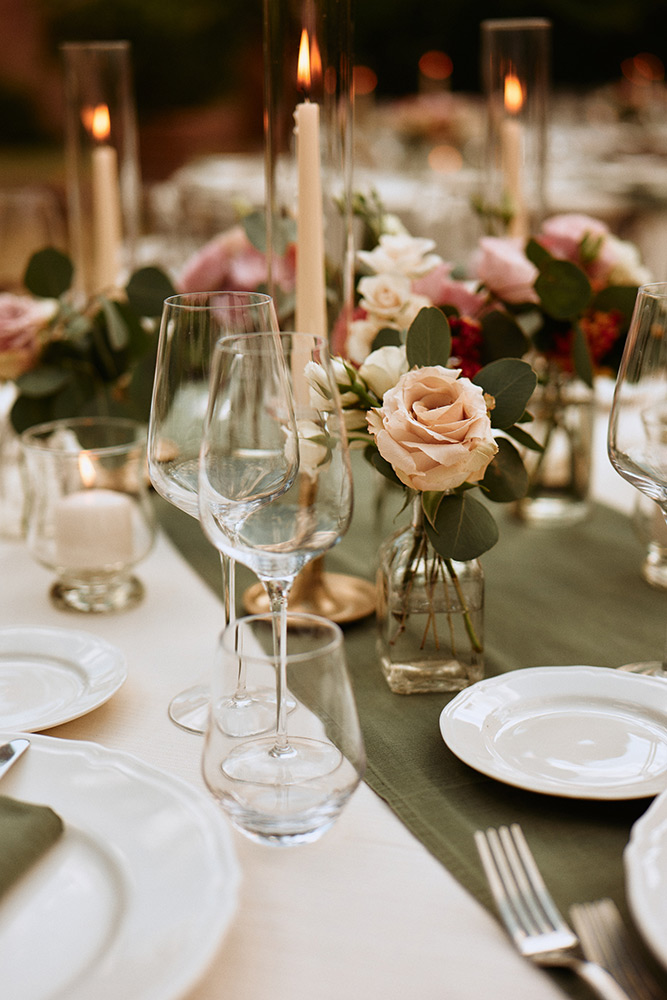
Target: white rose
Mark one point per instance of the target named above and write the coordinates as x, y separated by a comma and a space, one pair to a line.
401, 254
320, 386
383, 368
625, 263
313, 450
385, 295
434, 429
361, 335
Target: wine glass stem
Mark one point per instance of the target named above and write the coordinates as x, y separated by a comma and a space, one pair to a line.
278, 591
228, 567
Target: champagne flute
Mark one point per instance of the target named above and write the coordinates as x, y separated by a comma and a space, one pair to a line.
248, 416
637, 439
190, 326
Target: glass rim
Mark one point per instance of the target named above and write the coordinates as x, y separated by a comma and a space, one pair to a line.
656, 289
179, 300
29, 437
256, 338
335, 640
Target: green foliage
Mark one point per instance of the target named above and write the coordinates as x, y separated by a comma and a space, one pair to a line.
463, 527
429, 340
511, 383
96, 358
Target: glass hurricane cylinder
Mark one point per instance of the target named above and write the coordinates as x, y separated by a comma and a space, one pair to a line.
103, 181
430, 614
563, 411
515, 70
308, 159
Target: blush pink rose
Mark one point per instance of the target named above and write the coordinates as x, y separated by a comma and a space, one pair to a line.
231, 261
443, 290
562, 235
503, 267
21, 321
434, 429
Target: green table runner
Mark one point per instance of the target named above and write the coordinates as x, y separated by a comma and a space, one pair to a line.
553, 597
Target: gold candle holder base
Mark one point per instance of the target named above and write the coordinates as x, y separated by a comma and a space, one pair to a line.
337, 596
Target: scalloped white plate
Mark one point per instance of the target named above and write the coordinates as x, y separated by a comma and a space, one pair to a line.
581, 732
135, 897
53, 675
645, 860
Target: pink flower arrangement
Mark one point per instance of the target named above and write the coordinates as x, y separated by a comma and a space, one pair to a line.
23, 320
231, 260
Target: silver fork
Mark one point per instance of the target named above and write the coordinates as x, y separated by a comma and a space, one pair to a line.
529, 913
606, 941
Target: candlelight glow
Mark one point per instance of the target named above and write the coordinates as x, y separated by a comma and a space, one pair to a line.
97, 121
644, 68
513, 93
436, 65
86, 470
309, 65
364, 80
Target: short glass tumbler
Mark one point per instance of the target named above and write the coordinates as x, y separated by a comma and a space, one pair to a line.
288, 784
89, 517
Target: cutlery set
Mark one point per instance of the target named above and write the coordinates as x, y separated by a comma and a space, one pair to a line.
601, 952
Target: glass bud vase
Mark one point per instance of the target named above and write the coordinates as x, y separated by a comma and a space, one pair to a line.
563, 410
429, 614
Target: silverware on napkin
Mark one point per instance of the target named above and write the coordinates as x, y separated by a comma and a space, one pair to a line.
606, 940
10, 753
529, 913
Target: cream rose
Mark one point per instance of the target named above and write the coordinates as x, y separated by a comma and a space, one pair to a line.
382, 369
434, 429
410, 256
385, 295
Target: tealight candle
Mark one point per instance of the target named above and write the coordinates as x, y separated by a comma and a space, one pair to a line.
93, 530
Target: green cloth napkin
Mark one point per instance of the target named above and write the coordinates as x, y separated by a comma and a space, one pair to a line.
26, 833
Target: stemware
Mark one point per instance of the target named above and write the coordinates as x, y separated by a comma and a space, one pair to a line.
247, 435
270, 797
190, 326
637, 438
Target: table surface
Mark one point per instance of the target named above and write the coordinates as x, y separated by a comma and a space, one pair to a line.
366, 911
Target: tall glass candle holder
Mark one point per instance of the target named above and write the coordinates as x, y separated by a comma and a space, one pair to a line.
308, 159
516, 75
103, 180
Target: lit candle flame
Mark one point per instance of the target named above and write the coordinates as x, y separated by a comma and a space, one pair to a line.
309, 65
514, 96
97, 121
86, 470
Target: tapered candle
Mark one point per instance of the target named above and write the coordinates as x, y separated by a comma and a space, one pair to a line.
310, 314
107, 232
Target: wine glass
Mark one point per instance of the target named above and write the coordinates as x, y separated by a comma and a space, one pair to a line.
269, 797
190, 326
637, 440
248, 432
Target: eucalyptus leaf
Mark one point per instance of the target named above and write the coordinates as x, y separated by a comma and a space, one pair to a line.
581, 355
502, 337
537, 254
373, 456
523, 438
464, 528
117, 331
429, 339
283, 232
387, 337
564, 289
43, 381
49, 273
620, 297
505, 478
431, 500
511, 382
147, 289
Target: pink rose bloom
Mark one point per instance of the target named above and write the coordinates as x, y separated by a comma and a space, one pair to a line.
21, 321
562, 235
443, 290
503, 267
231, 261
434, 429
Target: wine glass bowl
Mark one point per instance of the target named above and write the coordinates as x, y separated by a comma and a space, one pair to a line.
190, 326
637, 437
293, 795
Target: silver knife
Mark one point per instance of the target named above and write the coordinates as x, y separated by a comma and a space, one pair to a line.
10, 753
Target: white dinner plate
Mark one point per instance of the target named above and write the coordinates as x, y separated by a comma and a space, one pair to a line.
645, 859
52, 675
582, 732
134, 898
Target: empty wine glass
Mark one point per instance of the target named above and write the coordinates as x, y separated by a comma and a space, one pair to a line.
637, 440
272, 798
191, 324
247, 433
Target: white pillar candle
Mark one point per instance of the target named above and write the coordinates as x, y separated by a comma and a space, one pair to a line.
93, 530
512, 153
106, 210
310, 284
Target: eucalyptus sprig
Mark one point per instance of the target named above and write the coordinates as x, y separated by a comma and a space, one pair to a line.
96, 356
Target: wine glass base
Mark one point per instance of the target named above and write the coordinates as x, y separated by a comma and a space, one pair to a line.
189, 709
248, 715
650, 668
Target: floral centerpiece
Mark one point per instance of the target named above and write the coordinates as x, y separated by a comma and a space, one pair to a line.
563, 300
